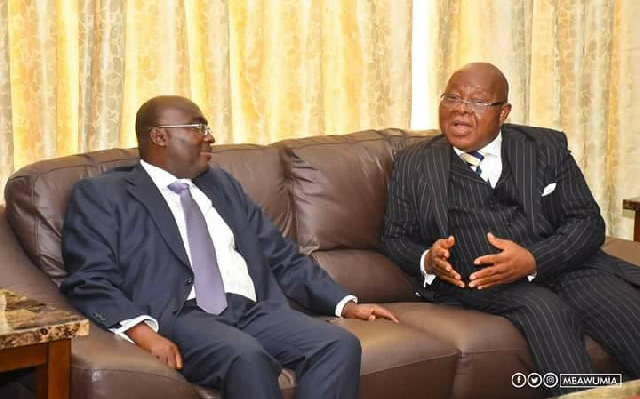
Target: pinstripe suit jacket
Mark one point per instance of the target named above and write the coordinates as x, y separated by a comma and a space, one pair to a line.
567, 220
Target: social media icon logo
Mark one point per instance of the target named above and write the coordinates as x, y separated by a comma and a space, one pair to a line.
518, 380
550, 380
534, 380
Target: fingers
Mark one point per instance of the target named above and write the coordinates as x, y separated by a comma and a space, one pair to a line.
178, 358
490, 277
501, 244
170, 356
486, 282
446, 272
372, 312
449, 242
169, 359
453, 281
440, 265
495, 241
384, 313
487, 259
440, 248
173, 357
168, 353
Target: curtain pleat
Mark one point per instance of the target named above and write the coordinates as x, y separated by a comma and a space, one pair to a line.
74, 72
572, 65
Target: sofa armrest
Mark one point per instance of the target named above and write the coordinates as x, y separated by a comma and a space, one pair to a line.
624, 249
103, 366
20, 275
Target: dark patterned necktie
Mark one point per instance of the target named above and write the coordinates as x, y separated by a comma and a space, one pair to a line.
209, 287
473, 159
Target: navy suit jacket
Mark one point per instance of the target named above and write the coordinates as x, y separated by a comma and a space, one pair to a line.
567, 220
125, 257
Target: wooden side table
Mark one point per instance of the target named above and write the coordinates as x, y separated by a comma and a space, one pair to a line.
634, 205
36, 335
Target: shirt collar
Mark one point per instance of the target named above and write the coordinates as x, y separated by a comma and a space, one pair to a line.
491, 149
160, 177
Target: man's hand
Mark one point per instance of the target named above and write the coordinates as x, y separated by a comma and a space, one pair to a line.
149, 340
437, 262
366, 311
513, 263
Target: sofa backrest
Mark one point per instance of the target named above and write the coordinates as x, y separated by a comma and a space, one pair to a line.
325, 192
36, 197
337, 186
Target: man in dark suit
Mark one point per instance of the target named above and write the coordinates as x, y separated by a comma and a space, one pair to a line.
174, 256
498, 218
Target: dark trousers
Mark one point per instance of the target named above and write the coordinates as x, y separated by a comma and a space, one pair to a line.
242, 350
555, 318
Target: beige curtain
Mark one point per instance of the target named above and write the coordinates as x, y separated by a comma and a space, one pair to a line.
73, 72
573, 65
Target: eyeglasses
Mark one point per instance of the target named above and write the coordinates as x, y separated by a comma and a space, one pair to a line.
202, 128
477, 106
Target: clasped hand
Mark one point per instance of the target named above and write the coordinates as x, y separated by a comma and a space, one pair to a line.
513, 263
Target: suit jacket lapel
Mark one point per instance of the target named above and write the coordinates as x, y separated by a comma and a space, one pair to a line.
522, 157
144, 190
223, 201
209, 184
437, 164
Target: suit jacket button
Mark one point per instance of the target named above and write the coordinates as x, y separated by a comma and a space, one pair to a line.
188, 281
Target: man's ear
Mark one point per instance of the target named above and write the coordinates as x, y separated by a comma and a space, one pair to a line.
158, 136
504, 112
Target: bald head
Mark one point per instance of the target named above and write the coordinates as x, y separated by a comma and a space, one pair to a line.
150, 113
171, 136
488, 74
474, 106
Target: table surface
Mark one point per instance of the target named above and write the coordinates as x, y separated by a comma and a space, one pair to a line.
24, 321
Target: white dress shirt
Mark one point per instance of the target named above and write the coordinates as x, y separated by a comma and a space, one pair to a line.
233, 267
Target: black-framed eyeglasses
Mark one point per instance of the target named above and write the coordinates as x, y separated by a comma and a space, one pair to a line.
478, 106
202, 128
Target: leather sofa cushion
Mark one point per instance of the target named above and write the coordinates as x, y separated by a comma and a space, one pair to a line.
259, 169
338, 184
368, 274
623, 249
490, 348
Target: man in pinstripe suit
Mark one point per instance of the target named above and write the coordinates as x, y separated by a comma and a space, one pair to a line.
498, 218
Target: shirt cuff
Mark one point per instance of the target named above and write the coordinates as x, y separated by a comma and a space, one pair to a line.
125, 325
344, 301
530, 277
428, 277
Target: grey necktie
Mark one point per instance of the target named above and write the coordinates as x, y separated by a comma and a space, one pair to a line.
209, 287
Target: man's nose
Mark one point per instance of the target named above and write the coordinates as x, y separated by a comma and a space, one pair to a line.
208, 138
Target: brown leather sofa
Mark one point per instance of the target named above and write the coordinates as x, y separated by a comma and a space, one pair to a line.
328, 194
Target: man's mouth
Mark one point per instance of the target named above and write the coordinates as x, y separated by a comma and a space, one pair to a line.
461, 127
